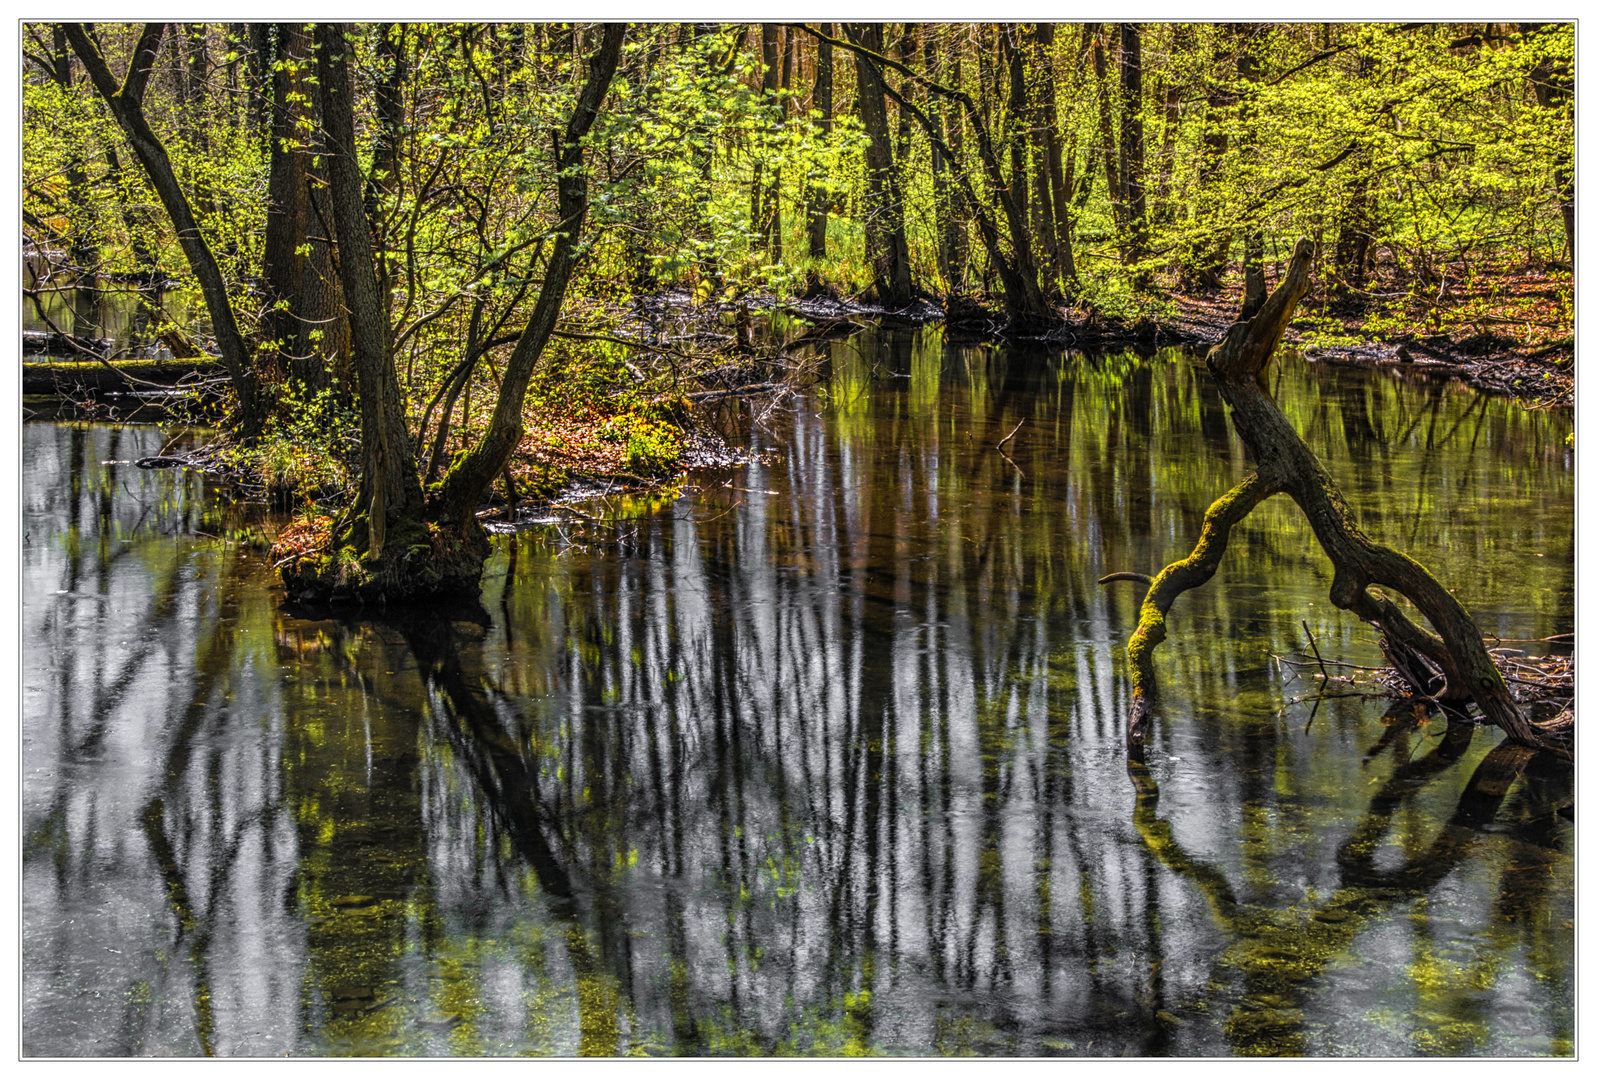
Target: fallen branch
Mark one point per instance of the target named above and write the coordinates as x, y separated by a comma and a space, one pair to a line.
1455, 649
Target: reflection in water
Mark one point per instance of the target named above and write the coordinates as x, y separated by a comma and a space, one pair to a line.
823, 757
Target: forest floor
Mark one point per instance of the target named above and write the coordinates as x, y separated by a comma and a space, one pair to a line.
1504, 331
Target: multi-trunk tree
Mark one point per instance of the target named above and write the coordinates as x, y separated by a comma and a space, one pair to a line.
395, 541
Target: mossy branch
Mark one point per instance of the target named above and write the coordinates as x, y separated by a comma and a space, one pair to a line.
1286, 464
1189, 573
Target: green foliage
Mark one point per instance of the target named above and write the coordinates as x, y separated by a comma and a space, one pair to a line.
651, 443
1439, 149
310, 449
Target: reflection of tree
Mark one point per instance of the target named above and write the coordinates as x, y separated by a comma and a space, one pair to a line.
1282, 952
159, 807
819, 774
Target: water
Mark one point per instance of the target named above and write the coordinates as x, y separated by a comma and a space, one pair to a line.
821, 757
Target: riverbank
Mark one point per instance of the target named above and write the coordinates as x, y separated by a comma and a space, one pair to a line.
631, 429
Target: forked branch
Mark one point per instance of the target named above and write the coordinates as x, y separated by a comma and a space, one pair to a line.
1286, 464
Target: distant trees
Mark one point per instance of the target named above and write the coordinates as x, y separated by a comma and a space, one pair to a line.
1099, 155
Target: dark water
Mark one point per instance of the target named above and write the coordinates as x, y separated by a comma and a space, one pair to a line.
823, 757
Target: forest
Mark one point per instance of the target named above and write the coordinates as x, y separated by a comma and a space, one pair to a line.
387, 225
641, 539
1074, 179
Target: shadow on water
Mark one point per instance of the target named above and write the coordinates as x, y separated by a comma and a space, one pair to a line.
820, 757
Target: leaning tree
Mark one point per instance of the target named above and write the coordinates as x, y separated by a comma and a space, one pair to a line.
1447, 663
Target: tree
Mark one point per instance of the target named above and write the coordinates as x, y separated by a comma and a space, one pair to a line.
394, 541
886, 244
1453, 650
125, 101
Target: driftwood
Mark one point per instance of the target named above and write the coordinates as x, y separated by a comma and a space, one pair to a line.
1286, 465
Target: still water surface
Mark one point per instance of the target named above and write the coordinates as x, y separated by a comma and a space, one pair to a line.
820, 757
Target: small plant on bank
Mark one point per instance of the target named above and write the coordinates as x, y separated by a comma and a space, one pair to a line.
651, 443
308, 451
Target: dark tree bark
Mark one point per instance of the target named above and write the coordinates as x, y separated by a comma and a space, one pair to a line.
762, 192
886, 246
1017, 132
258, 77
126, 104
390, 491
1053, 200
385, 181
1106, 128
1286, 464
818, 200
1253, 283
1135, 242
287, 188
1353, 230
323, 335
952, 254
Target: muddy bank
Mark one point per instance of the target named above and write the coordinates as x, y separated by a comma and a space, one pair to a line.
1488, 362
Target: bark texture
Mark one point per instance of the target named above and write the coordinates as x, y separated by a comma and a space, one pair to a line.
886, 245
390, 491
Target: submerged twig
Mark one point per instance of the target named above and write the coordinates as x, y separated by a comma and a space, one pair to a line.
1316, 647
1006, 438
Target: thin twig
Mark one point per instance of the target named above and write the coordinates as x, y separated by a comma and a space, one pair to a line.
1315, 646
1006, 438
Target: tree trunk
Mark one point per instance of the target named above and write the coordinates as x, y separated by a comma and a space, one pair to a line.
818, 199
323, 339
1285, 464
1253, 283
1135, 242
287, 190
886, 247
1053, 200
390, 499
945, 195
1106, 130
385, 181
1017, 122
763, 192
